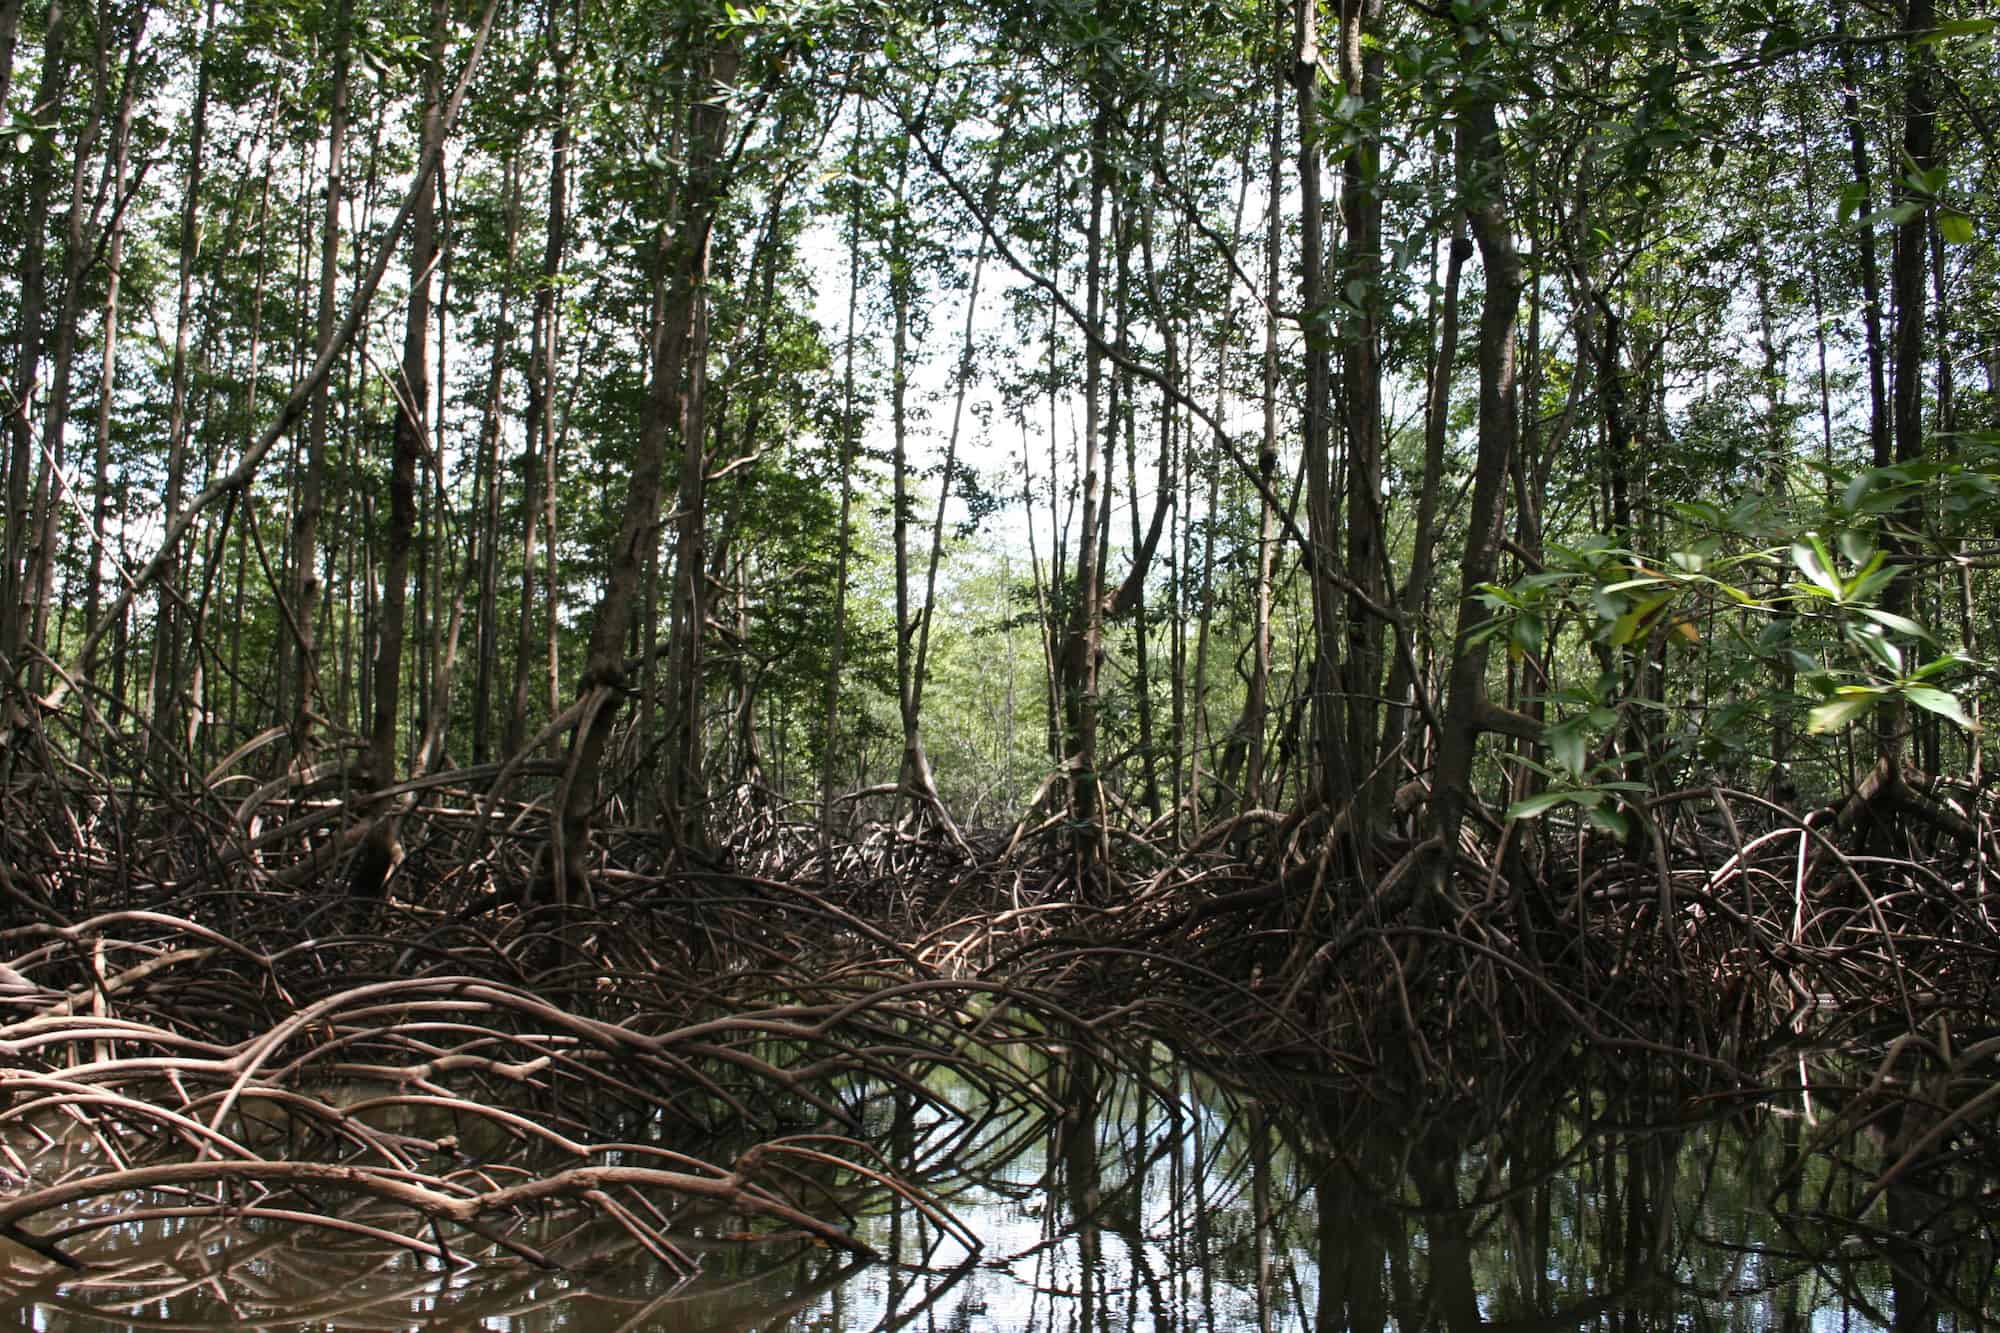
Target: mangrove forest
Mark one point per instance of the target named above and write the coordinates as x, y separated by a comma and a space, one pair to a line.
1028, 664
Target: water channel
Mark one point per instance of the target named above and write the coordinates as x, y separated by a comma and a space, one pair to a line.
1145, 1196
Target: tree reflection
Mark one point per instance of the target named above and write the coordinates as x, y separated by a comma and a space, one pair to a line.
1141, 1193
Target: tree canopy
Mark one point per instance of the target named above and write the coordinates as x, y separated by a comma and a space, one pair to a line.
1133, 416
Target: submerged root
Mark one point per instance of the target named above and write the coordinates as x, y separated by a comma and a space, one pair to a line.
693, 1053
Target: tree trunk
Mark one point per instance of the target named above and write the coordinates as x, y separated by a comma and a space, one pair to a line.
10, 32
1403, 682
675, 399
1329, 768
167, 634
488, 485
1078, 659
543, 364
1361, 385
100, 510
17, 611
1482, 184
1871, 268
1907, 276
410, 444
303, 614
80, 252
1256, 702
913, 770
837, 650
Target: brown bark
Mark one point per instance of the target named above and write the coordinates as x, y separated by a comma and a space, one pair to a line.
1256, 703
302, 616
1481, 169
10, 32
81, 252
17, 611
675, 401
410, 444
544, 362
837, 650
1871, 268
114, 263
1329, 781
1078, 660
166, 679
1423, 541
1361, 387
487, 649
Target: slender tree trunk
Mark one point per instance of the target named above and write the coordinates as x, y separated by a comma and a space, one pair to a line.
233, 718
167, 669
963, 382
1403, 683
544, 362
1482, 180
1361, 385
837, 649
963, 375
1871, 269
303, 613
676, 399
1815, 281
1256, 703
10, 33
17, 612
487, 486
409, 445
913, 770
1944, 426
1329, 768
1907, 277
1081, 638
1142, 684
79, 255
1777, 455
100, 514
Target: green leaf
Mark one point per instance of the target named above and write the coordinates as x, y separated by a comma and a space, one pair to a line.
1630, 584
1538, 805
1609, 820
1898, 215
1886, 654
1811, 562
1956, 228
1927, 182
1937, 667
1837, 713
1941, 703
1958, 28
1566, 745
1901, 624
1636, 621
1876, 575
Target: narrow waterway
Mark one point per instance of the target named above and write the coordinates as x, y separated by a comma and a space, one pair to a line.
1142, 1195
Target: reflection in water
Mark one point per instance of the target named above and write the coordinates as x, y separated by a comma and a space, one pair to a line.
1142, 1195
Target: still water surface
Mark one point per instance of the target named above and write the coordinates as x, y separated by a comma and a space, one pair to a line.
1160, 1200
